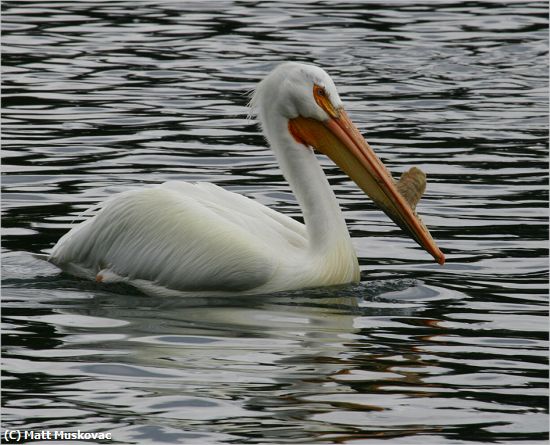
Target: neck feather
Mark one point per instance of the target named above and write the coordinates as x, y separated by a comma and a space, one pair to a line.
325, 224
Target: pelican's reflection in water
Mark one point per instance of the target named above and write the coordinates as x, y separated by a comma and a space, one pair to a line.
256, 362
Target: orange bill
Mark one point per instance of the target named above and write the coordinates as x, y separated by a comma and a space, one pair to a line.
339, 139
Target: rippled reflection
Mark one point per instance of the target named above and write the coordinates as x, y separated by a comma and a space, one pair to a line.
103, 96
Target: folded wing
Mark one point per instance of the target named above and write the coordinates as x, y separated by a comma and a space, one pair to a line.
181, 236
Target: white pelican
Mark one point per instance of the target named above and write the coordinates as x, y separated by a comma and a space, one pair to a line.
198, 239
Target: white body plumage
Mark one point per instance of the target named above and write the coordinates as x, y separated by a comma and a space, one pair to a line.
200, 239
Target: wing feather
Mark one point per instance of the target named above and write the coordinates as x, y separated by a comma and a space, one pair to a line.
182, 236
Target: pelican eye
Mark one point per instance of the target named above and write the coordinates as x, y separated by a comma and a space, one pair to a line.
319, 92
322, 99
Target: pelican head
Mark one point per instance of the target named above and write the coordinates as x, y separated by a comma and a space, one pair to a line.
300, 102
293, 89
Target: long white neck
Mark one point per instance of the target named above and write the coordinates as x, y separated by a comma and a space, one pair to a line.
325, 224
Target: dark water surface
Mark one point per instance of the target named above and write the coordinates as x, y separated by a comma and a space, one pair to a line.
104, 96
